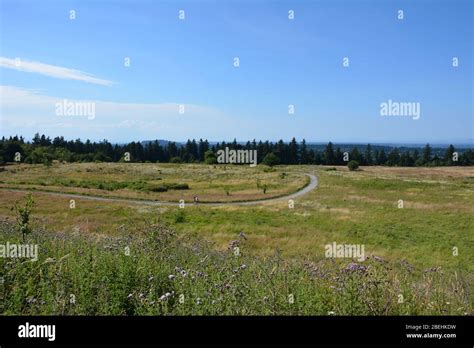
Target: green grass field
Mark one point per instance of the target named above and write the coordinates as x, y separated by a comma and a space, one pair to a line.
416, 242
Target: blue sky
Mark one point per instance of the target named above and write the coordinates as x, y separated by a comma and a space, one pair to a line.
189, 62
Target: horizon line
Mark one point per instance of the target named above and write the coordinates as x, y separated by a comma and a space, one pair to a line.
308, 142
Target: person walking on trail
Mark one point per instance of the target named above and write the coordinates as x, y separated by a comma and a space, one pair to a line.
195, 199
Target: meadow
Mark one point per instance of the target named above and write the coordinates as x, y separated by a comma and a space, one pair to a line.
164, 182
422, 250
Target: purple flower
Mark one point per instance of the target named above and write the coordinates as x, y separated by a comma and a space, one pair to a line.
379, 259
354, 267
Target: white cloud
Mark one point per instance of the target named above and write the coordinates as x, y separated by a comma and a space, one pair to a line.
25, 112
51, 70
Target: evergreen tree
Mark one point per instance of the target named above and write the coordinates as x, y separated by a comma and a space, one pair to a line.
304, 158
368, 155
393, 158
293, 156
448, 156
329, 156
427, 154
382, 159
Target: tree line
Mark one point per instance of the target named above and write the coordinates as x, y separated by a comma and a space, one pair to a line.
43, 149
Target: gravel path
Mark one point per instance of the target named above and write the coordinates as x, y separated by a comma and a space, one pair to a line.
311, 186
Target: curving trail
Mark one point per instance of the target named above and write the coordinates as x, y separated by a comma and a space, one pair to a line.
311, 186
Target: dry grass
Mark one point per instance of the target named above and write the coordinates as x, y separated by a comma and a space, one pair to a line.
210, 183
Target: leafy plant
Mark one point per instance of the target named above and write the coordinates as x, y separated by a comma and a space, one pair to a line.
23, 215
353, 165
180, 216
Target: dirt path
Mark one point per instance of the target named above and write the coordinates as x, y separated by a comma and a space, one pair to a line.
311, 186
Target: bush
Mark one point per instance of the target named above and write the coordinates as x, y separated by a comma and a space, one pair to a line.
180, 216
23, 215
174, 186
157, 188
271, 159
353, 165
210, 157
175, 160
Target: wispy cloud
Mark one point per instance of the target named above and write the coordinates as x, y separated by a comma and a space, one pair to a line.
26, 111
51, 70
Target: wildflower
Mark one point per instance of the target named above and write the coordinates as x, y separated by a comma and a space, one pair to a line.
198, 301
171, 276
354, 267
379, 259
233, 244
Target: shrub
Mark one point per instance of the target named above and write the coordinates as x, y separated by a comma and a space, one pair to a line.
271, 159
174, 186
353, 165
175, 160
23, 215
157, 188
210, 157
180, 216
